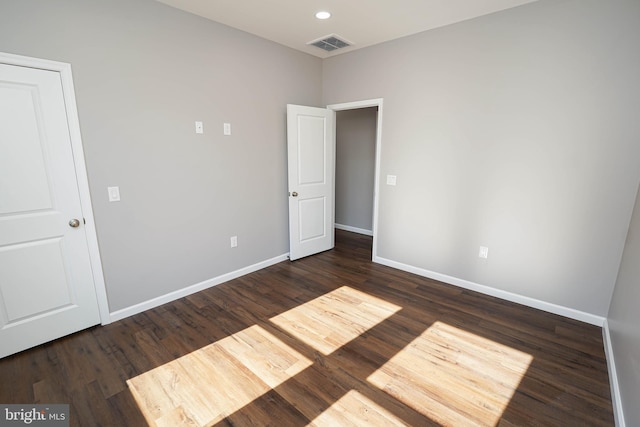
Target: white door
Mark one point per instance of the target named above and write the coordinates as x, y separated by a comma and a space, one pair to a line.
46, 283
311, 148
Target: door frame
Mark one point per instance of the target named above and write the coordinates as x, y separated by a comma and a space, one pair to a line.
82, 180
355, 105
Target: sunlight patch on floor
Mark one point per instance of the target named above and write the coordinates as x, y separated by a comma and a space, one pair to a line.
354, 409
453, 368
213, 382
332, 320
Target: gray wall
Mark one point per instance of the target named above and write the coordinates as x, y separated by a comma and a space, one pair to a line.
517, 131
355, 167
143, 73
624, 322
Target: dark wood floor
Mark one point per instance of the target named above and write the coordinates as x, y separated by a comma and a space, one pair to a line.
328, 340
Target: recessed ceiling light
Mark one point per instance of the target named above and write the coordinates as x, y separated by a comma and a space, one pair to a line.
323, 15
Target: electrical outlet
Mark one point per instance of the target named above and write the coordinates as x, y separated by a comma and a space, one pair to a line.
484, 252
391, 180
114, 194
234, 241
227, 128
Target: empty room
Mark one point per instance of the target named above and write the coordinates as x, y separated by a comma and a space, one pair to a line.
328, 213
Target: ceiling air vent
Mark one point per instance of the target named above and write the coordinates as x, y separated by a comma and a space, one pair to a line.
330, 43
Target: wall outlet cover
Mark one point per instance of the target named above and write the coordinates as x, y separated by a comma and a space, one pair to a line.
114, 194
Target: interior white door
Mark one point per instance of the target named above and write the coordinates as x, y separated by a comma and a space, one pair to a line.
46, 283
311, 149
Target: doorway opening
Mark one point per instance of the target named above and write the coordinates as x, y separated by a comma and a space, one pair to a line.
358, 147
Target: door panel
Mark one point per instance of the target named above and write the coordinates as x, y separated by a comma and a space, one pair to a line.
24, 170
32, 264
312, 218
46, 282
311, 148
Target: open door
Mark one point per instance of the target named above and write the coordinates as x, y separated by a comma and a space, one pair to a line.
311, 149
47, 287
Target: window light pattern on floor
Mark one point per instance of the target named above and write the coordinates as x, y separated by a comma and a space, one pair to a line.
490, 375
206, 385
310, 343
333, 319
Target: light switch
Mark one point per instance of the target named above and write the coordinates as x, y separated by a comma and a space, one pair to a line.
484, 252
114, 194
391, 180
227, 128
199, 127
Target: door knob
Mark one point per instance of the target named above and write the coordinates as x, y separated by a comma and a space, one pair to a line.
294, 194
74, 223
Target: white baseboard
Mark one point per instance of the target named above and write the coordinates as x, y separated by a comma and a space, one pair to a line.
354, 229
172, 296
613, 376
487, 290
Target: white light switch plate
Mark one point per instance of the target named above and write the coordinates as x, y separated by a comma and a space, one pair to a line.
114, 194
483, 252
199, 127
391, 180
227, 128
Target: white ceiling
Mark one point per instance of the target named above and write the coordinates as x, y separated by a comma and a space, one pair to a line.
360, 22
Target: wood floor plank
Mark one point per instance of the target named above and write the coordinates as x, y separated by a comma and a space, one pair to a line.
332, 339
